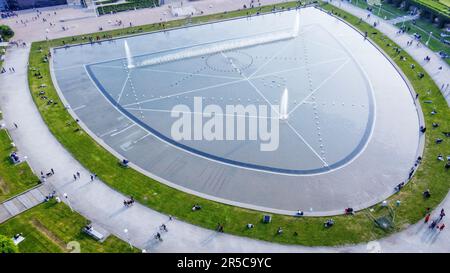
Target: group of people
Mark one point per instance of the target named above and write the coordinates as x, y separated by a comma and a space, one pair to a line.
162, 228
51, 196
8, 14
11, 70
45, 175
129, 202
435, 224
76, 176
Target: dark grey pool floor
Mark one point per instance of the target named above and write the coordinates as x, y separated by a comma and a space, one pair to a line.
351, 136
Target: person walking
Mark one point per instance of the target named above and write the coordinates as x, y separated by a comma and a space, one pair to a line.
427, 218
53, 171
74, 177
442, 214
15, 125
433, 224
78, 174
163, 227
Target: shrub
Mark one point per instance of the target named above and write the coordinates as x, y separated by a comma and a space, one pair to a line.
6, 32
7, 245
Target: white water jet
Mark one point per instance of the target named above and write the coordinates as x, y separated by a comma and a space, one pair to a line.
296, 28
284, 105
218, 47
130, 63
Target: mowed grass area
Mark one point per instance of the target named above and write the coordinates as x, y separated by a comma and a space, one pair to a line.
306, 231
14, 179
51, 227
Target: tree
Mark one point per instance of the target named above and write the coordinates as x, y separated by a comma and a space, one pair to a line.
7, 245
6, 32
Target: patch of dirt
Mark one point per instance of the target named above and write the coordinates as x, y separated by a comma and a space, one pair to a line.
52, 237
4, 189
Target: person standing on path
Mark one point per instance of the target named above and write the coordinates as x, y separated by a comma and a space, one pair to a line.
442, 214
427, 218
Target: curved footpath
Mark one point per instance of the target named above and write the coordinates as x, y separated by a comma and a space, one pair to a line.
104, 206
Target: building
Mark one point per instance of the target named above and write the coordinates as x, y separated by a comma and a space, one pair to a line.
30, 4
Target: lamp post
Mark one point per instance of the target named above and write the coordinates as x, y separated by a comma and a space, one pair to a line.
127, 236
68, 202
429, 37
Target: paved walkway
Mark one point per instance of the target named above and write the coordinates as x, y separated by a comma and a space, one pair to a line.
82, 21
23, 202
101, 204
402, 19
95, 200
441, 77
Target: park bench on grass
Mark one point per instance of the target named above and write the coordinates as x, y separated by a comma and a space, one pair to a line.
94, 233
18, 239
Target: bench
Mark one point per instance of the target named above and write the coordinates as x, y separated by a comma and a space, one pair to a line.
92, 232
18, 240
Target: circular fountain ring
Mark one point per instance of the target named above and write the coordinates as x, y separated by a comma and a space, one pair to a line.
239, 59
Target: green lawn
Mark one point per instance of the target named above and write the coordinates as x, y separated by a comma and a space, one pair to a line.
49, 227
348, 229
14, 179
128, 5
